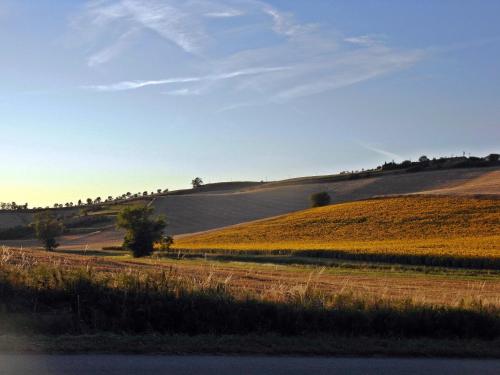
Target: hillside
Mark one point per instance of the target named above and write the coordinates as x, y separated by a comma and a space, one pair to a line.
413, 225
200, 211
225, 204
488, 183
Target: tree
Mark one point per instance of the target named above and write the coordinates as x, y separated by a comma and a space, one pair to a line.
406, 164
320, 199
89, 201
165, 242
493, 158
79, 202
142, 230
47, 229
423, 159
197, 182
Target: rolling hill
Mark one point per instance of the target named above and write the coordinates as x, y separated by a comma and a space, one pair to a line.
219, 205
430, 226
200, 211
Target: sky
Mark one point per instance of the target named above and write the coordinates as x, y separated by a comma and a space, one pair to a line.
102, 97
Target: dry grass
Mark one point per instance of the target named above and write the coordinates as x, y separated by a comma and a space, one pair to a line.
416, 225
65, 297
282, 283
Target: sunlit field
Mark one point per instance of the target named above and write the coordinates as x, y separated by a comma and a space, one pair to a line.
61, 294
414, 226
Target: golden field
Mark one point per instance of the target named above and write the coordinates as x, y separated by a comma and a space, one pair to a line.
437, 226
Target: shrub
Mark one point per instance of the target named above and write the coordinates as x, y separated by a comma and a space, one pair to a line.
47, 228
197, 182
320, 199
143, 231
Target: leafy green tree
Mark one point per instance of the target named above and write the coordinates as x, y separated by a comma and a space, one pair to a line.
197, 182
320, 199
142, 230
47, 229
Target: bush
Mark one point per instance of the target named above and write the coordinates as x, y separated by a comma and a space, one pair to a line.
47, 228
320, 199
143, 231
197, 182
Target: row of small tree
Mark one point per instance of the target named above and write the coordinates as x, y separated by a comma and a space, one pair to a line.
13, 206
196, 183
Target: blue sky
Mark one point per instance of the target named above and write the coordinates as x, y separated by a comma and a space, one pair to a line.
104, 97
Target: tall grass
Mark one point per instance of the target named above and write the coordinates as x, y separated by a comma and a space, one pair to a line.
51, 300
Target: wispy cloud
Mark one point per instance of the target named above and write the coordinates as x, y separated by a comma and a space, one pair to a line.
236, 106
167, 20
225, 14
284, 23
350, 70
106, 54
132, 85
307, 59
368, 40
183, 92
380, 151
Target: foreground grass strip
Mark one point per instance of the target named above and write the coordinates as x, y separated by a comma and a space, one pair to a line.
250, 344
48, 300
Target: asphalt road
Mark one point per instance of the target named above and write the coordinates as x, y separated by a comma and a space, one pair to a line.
212, 365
